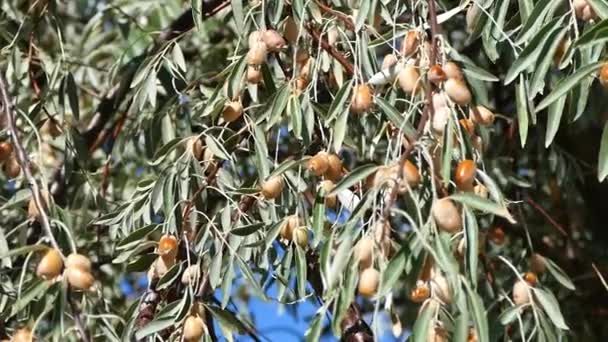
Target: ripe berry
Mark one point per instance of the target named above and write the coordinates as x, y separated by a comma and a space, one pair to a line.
538, 264
79, 279
411, 174
255, 37
291, 30
441, 116
319, 164
11, 167
254, 74
334, 169
364, 250
453, 71
531, 278
273, 40
291, 223
436, 74
232, 111
300, 236
257, 53
194, 328
409, 80
521, 294
497, 236
190, 275
481, 115
6, 150
458, 91
79, 261
273, 187
604, 76
362, 99
328, 186
465, 175
167, 247
22, 335
420, 293
388, 61
368, 282
50, 265
446, 215
410, 43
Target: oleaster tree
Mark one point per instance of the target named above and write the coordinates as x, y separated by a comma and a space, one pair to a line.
393, 163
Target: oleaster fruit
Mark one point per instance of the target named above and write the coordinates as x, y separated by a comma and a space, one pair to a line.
319, 163
368, 282
300, 237
410, 43
6, 150
465, 175
232, 111
50, 265
409, 80
194, 328
273, 187
362, 99
481, 115
289, 225
364, 252
447, 215
521, 292
458, 91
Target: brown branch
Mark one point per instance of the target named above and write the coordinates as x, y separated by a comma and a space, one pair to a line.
24, 161
546, 215
427, 113
341, 16
316, 36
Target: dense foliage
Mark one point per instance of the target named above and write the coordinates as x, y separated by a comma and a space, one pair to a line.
434, 165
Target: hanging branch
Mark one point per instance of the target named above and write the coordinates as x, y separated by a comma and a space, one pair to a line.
316, 36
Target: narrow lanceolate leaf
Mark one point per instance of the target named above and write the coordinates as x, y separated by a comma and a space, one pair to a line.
565, 85
355, 176
393, 271
337, 105
301, 271
364, 7
600, 7
546, 59
472, 239
602, 165
423, 322
596, 34
539, 12
549, 303
509, 315
559, 274
521, 101
478, 312
529, 55
396, 118
554, 117
485, 205
340, 127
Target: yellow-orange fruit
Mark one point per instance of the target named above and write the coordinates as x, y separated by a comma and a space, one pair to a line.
409, 80
319, 164
190, 275
388, 61
273, 40
300, 236
167, 247
78, 261
300, 85
50, 265
458, 91
468, 125
11, 167
436, 74
255, 37
50, 128
453, 71
497, 235
588, 13
194, 328
472, 336
437, 334
291, 30
446, 215
521, 294
22, 335
441, 288
232, 111
328, 186
362, 99
254, 74
465, 175
538, 264
368, 282
364, 252
481, 115
334, 169
79, 279
195, 145
302, 56
439, 101
420, 293
273, 187
291, 223
604, 76
305, 68
410, 43
531, 278
411, 174
6, 150
257, 53
160, 267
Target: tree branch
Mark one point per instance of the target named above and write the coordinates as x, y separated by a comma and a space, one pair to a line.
316, 36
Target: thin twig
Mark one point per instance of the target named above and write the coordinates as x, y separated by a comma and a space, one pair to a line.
343, 17
24, 162
78, 320
316, 36
544, 213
